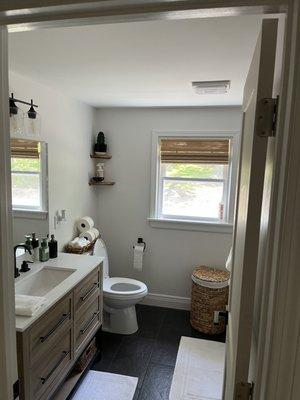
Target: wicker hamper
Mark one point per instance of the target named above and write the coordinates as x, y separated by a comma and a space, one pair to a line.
209, 294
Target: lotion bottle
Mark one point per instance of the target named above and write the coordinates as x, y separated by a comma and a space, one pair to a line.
52, 247
44, 250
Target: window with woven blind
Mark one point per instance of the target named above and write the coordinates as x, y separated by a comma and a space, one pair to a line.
195, 151
27, 171
194, 177
25, 149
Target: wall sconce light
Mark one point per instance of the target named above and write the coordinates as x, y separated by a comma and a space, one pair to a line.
21, 124
33, 122
16, 118
59, 217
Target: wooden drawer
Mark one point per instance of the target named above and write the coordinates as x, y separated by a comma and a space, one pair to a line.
87, 323
87, 289
47, 329
53, 364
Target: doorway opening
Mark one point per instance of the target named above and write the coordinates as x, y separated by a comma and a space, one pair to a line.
136, 100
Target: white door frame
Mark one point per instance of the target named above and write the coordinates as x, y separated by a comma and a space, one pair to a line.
279, 343
8, 366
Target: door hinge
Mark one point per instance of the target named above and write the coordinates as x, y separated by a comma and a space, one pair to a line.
16, 389
243, 391
267, 111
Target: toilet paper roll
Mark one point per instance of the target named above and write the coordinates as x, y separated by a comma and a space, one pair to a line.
138, 254
96, 232
84, 224
88, 235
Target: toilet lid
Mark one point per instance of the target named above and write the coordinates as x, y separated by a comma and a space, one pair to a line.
123, 286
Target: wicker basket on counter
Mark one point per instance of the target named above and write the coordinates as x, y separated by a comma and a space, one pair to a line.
209, 294
81, 250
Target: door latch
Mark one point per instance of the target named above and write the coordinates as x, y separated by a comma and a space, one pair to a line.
220, 314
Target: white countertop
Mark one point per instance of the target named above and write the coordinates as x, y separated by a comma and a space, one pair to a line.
83, 265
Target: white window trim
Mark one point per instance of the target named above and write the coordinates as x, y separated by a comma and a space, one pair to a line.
31, 212
206, 226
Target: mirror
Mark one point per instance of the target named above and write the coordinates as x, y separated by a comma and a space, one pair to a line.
30, 204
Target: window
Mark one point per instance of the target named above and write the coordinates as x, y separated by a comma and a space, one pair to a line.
28, 171
194, 177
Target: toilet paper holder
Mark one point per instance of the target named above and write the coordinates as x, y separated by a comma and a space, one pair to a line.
141, 240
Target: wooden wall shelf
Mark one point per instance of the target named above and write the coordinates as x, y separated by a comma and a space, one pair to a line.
101, 156
103, 183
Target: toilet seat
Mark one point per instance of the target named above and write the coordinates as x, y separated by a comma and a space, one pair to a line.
123, 288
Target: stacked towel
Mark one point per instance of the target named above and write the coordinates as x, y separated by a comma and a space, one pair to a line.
29, 305
79, 243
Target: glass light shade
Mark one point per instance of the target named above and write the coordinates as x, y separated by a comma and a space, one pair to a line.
33, 125
17, 123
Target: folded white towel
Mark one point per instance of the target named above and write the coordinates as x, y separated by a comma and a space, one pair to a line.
79, 242
28, 305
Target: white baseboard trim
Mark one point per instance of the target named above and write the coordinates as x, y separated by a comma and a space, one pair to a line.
163, 300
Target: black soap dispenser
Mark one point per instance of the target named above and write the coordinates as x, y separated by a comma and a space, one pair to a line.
52, 247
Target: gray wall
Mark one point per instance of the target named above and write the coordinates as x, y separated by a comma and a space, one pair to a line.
67, 127
123, 209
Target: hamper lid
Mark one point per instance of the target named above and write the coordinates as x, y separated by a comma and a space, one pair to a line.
211, 277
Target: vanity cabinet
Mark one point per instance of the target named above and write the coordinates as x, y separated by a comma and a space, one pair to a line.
49, 348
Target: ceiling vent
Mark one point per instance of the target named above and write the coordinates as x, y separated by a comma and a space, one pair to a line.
211, 87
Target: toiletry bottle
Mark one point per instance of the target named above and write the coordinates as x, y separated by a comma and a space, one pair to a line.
35, 247
28, 242
44, 250
52, 247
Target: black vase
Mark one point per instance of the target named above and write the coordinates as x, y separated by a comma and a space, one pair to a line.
100, 148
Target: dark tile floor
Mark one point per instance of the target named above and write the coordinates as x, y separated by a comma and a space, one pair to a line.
150, 354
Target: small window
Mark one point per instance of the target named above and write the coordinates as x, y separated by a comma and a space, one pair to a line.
193, 178
28, 167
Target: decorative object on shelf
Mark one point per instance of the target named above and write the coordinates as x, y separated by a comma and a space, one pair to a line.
99, 173
100, 147
22, 124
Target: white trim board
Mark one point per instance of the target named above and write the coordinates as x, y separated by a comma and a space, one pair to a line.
216, 227
168, 301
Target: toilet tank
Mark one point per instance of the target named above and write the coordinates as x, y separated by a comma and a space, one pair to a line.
100, 251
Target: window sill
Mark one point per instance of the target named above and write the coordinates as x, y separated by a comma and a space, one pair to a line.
214, 227
30, 214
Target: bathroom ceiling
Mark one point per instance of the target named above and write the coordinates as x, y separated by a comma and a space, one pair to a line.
141, 63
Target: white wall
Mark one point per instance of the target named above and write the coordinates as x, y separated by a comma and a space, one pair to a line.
123, 209
67, 127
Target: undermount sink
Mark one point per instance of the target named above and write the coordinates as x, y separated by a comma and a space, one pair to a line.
43, 281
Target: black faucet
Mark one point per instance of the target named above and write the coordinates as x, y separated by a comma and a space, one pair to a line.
23, 246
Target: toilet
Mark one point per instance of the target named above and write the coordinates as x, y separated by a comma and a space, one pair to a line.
120, 295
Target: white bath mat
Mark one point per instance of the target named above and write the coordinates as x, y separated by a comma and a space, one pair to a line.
199, 370
105, 386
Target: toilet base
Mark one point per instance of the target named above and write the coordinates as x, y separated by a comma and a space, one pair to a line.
122, 321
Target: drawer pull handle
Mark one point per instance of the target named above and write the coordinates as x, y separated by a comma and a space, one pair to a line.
63, 356
89, 292
60, 322
83, 330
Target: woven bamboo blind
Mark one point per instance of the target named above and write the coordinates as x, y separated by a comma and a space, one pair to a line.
24, 148
197, 151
